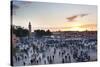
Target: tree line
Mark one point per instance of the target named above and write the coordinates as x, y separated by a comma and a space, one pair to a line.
22, 32
41, 33
19, 31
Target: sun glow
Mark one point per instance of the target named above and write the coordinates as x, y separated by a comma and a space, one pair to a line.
77, 29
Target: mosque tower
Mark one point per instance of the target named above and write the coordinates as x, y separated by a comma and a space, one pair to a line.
29, 26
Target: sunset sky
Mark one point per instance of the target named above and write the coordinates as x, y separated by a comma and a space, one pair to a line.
54, 16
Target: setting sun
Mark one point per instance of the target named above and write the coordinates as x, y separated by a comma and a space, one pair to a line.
77, 29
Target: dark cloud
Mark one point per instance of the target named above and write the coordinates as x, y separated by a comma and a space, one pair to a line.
82, 15
16, 4
14, 7
25, 3
72, 18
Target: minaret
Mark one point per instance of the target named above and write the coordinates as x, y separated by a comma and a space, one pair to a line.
29, 26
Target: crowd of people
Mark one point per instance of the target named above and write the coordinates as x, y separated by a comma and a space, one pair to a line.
37, 51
